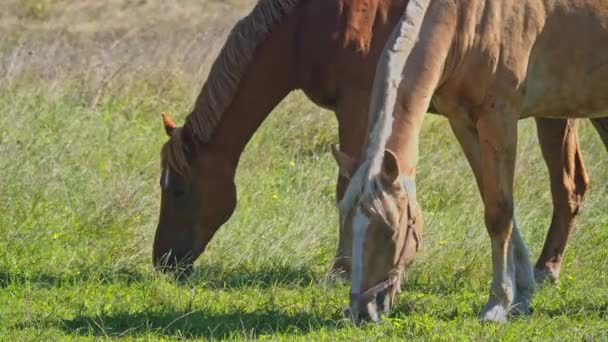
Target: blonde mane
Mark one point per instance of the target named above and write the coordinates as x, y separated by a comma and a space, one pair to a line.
365, 185
231, 64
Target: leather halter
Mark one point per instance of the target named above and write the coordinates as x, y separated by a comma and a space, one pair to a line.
394, 278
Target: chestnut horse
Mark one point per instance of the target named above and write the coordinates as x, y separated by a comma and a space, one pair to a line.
485, 64
286, 45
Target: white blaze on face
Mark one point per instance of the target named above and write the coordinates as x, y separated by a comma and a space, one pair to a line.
360, 223
166, 179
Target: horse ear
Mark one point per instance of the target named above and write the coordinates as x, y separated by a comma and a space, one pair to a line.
168, 123
345, 162
390, 168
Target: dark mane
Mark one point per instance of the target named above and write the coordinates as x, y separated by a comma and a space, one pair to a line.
228, 69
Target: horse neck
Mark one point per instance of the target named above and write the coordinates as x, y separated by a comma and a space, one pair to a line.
406, 78
268, 79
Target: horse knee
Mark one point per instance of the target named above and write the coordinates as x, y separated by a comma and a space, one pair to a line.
499, 217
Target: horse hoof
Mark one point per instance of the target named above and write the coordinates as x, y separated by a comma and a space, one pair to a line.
495, 313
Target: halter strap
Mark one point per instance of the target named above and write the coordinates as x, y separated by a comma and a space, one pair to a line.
394, 278
409, 184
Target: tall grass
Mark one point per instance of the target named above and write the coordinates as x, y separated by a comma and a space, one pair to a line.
82, 86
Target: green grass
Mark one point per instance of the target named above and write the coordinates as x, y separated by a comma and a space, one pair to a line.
79, 197
80, 202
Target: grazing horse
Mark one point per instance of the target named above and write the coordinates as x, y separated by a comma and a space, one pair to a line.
484, 64
286, 45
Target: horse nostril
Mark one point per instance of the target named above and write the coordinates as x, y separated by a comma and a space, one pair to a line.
357, 313
365, 312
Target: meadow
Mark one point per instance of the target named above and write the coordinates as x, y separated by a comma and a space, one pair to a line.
82, 85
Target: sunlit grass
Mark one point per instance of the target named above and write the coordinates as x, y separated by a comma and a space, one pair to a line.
80, 200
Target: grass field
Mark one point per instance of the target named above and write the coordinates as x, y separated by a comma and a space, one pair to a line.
81, 88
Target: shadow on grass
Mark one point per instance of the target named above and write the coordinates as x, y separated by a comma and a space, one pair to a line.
73, 277
262, 276
207, 276
585, 309
194, 324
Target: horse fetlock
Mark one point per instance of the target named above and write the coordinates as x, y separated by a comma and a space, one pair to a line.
521, 306
523, 298
550, 272
497, 308
503, 292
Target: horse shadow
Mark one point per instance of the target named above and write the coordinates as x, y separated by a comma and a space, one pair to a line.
216, 277
76, 276
195, 324
208, 276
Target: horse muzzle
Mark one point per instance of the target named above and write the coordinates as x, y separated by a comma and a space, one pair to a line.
179, 263
370, 307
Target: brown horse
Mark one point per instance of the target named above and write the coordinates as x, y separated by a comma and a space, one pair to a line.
485, 64
287, 45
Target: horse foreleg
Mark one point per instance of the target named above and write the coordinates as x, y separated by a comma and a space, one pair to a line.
351, 132
601, 126
569, 182
498, 140
468, 137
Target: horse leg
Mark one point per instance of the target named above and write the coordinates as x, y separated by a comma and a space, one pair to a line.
498, 140
524, 276
351, 132
569, 182
468, 137
601, 126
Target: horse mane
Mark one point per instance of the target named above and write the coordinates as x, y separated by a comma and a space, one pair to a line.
366, 181
173, 153
224, 78
222, 84
360, 19
236, 55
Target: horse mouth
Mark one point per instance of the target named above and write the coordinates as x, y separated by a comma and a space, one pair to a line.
371, 311
178, 264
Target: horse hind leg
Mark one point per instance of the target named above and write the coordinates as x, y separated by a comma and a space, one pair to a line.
569, 182
601, 126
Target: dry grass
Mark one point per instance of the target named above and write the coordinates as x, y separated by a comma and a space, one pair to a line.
116, 41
